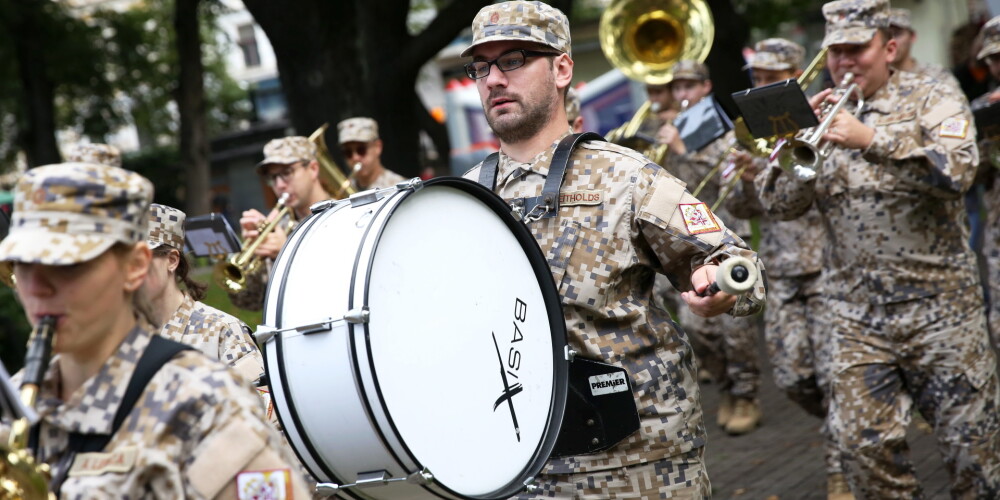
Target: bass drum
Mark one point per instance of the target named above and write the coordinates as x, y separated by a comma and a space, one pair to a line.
415, 345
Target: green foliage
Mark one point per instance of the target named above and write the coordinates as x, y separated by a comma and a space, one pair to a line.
767, 16
216, 297
162, 166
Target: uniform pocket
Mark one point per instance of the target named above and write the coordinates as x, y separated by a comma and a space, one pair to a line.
583, 265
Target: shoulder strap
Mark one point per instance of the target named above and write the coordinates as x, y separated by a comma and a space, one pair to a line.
488, 171
557, 169
157, 353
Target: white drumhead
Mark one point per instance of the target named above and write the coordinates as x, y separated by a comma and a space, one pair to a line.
448, 277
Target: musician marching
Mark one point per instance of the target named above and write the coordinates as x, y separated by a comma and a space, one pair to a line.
988, 148
905, 36
797, 346
603, 250
290, 166
362, 148
80, 255
727, 347
900, 282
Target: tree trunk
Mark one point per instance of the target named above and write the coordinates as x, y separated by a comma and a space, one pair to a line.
23, 21
194, 148
355, 58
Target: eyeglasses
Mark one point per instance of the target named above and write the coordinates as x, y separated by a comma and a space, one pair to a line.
349, 151
284, 174
507, 61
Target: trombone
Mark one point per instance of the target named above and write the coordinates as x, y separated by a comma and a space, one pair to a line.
330, 175
644, 39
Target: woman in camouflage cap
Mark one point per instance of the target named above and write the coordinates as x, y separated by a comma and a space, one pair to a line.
193, 430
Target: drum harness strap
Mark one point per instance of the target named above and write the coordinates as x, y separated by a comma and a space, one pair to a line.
157, 353
546, 205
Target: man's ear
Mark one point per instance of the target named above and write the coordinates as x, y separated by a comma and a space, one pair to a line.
708, 86
563, 67
137, 266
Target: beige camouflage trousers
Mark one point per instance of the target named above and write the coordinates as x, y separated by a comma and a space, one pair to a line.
728, 348
681, 477
799, 350
933, 353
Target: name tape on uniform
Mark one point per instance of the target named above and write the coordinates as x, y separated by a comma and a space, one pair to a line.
608, 383
573, 198
95, 464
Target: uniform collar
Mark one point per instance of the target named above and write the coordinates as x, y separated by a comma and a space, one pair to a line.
538, 165
182, 316
885, 100
91, 409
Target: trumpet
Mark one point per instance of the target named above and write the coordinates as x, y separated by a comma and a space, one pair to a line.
231, 274
805, 153
21, 476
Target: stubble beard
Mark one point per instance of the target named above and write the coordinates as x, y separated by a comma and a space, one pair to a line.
515, 129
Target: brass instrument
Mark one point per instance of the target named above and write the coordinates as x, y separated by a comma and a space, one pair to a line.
21, 476
644, 39
7, 274
805, 153
333, 179
231, 274
761, 147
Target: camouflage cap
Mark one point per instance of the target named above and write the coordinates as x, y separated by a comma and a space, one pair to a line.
287, 150
94, 152
689, 69
854, 21
357, 129
166, 227
572, 104
69, 213
777, 54
991, 38
521, 21
900, 18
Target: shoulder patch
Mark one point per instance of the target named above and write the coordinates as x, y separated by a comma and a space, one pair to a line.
956, 128
698, 218
273, 484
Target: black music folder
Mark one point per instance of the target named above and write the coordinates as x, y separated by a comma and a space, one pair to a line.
210, 235
780, 109
987, 121
702, 123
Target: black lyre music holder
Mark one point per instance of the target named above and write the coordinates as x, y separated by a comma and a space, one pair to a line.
702, 123
210, 235
777, 110
988, 121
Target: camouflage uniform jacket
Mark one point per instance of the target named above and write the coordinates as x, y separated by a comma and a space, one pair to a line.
894, 213
192, 434
388, 178
217, 334
621, 220
790, 248
937, 72
692, 167
251, 298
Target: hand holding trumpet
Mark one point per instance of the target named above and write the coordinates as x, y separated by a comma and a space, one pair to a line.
845, 129
251, 221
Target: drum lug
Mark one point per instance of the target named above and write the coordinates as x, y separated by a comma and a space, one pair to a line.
420, 477
375, 478
365, 197
415, 184
530, 486
326, 490
569, 353
357, 316
321, 206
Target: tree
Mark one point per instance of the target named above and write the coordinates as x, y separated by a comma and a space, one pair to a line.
349, 58
190, 98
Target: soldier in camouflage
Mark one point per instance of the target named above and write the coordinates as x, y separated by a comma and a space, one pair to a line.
180, 312
905, 36
362, 148
726, 346
989, 149
196, 431
900, 284
94, 152
797, 345
573, 110
603, 249
289, 167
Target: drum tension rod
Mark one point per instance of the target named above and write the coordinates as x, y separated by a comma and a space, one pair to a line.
354, 316
376, 478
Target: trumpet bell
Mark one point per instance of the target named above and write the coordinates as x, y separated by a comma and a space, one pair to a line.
645, 38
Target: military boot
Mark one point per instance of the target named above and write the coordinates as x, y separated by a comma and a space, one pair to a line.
837, 489
725, 409
745, 417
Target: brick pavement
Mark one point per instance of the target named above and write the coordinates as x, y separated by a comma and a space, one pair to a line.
783, 459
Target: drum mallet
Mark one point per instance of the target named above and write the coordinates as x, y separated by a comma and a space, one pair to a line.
733, 277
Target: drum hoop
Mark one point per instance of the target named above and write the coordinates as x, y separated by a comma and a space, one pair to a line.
285, 388
557, 324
